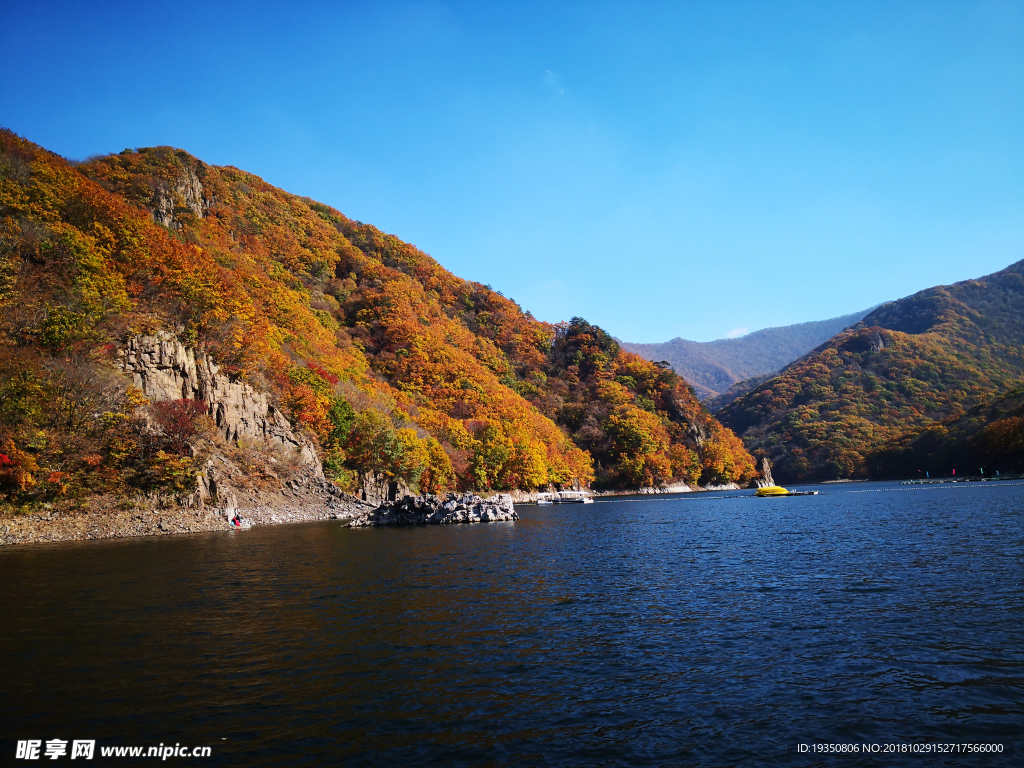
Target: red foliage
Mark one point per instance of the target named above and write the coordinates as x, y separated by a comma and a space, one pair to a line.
179, 421
326, 375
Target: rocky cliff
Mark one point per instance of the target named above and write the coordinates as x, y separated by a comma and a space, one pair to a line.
184, 194
165, 369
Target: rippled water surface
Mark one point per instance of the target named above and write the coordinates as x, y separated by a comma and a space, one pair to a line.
693, 630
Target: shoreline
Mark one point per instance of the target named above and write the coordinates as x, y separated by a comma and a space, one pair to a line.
671, 489
530, 497
110, 517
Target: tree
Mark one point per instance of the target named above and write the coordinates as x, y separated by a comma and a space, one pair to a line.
179, 421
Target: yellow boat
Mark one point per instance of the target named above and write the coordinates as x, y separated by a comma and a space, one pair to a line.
773, 490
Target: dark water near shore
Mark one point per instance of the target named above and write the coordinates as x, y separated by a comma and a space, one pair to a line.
694, 630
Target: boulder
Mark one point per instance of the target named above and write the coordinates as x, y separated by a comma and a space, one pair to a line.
376, 488
435, 510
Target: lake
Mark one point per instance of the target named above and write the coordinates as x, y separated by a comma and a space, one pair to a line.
702, 629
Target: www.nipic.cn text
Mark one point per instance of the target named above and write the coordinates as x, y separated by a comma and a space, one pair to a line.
54, 749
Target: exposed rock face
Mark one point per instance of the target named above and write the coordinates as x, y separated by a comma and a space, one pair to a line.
455, 508
186, 192
699, 433
165, 369
375, 488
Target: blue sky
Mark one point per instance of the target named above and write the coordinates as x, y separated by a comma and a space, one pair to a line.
661, 169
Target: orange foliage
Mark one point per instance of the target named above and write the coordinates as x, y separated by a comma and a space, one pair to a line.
326, 310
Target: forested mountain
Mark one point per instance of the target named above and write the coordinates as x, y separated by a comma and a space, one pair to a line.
740, 388
391, 363
712, 367
987, 439
907, 365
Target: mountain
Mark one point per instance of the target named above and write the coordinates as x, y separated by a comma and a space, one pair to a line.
712, 367
906, 366
740, 388
152, 301
988, 438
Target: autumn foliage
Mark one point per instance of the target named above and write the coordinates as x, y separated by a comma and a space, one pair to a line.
392, 363
986, 439
852, 407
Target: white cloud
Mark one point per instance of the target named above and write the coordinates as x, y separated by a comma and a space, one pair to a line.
553, 82
735, 333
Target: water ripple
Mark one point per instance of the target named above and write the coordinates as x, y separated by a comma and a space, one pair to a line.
695, 630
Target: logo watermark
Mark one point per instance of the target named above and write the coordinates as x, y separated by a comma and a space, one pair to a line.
85, 749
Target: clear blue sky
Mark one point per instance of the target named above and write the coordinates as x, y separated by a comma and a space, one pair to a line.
662, 169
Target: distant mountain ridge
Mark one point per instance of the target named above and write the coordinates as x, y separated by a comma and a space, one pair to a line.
712, 367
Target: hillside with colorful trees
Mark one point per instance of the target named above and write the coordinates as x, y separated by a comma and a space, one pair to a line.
909, 366
390, 363
986, 440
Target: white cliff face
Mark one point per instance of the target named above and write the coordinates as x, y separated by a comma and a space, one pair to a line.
165, 369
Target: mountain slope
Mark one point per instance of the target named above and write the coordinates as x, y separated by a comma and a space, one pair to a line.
740, 388
905, 366
391, 364
988, 438
712, 367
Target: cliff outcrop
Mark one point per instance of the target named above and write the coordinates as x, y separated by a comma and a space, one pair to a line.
163, 368
172, 198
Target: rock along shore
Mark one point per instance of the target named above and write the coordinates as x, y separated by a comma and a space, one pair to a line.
435, 510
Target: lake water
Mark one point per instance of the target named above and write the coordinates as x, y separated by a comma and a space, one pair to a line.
707, 629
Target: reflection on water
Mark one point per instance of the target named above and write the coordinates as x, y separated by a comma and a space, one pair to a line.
689, 630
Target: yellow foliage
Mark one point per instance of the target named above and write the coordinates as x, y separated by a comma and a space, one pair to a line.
438, 475
290, 292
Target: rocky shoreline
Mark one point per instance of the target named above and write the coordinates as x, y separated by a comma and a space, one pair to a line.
434, 510
110, 517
